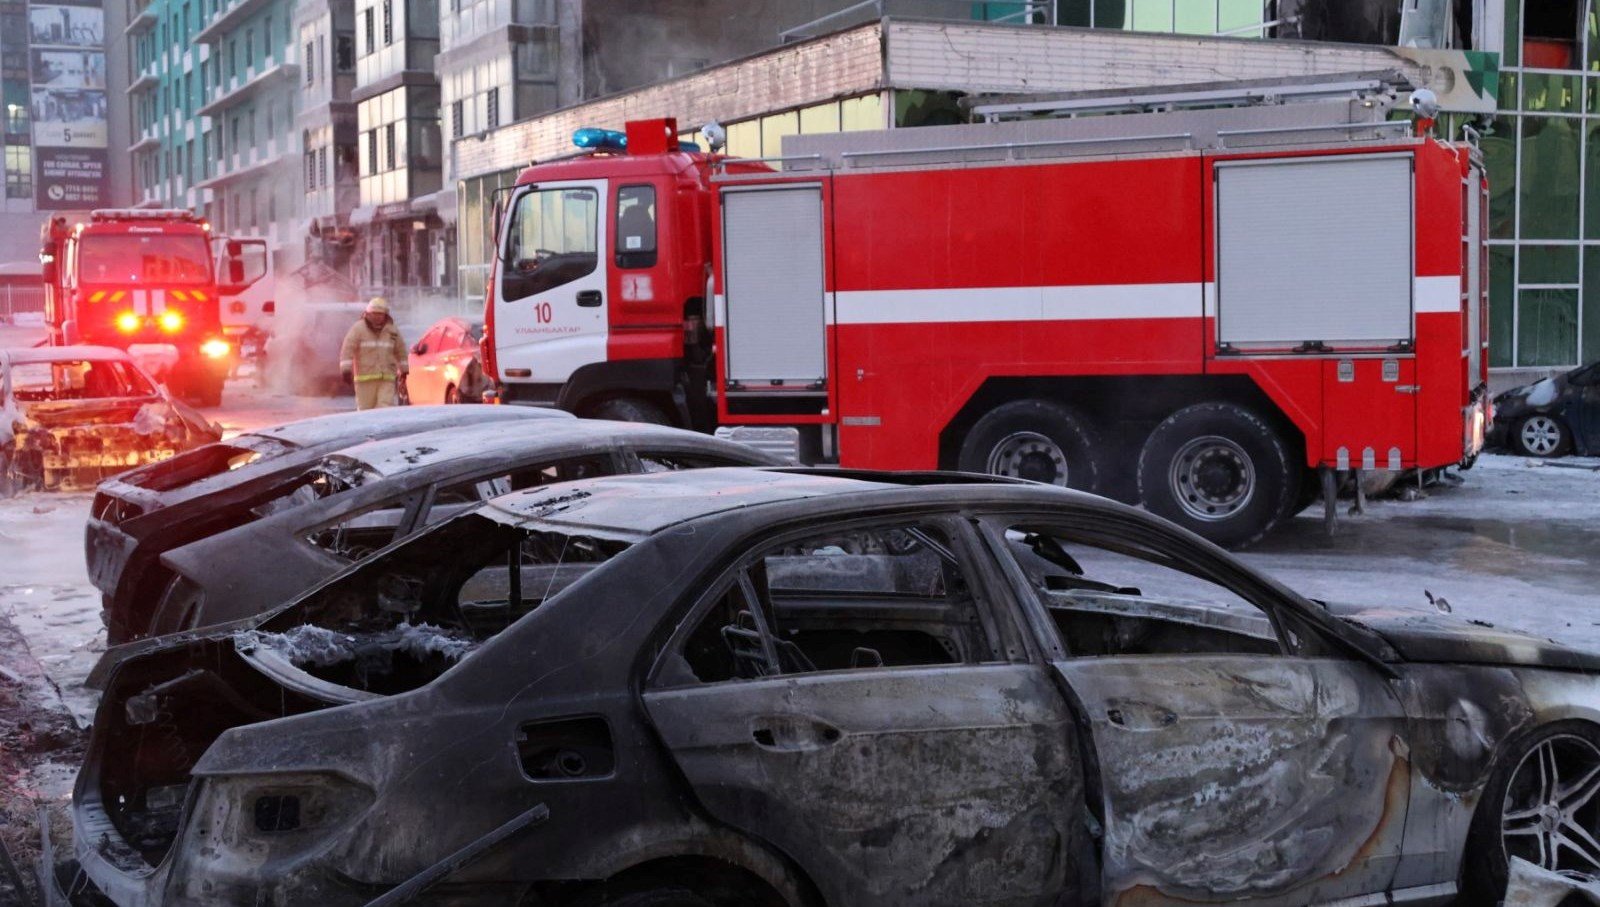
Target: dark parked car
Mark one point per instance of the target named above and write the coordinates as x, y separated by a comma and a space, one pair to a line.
139, 515
72, 415
357, 501
736, 686
1551, 417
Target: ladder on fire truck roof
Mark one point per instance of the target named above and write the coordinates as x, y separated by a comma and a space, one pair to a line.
1375, 84
1352, 107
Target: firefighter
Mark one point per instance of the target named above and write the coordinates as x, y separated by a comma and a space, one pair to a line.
374, 356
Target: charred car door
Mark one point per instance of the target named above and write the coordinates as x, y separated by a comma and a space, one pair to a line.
855, 697
1242, 757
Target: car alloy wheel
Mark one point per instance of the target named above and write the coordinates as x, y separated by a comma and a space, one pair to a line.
1551, 815
1541, 435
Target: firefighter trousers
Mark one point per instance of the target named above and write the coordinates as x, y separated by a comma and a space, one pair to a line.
373, 393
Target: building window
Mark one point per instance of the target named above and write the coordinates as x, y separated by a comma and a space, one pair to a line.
322, 166
366, 28
249, 48
311, 65
372, 151
388, 145
388, 22
19, 171
255, 215
311, 169
266, 39
1550, 35
322, 53
344, 50
492, 113
455, 120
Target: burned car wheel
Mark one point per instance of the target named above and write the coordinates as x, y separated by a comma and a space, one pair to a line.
1541, 435
1541, 804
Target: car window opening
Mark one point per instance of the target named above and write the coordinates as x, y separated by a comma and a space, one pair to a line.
860, 600
401, 620
1121, 600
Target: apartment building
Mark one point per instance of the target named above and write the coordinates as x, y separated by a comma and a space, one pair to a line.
326, 36
399, 154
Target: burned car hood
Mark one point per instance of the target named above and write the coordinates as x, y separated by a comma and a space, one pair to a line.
1425, 636
1544, 394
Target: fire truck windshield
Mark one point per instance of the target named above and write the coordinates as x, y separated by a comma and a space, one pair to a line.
152, 258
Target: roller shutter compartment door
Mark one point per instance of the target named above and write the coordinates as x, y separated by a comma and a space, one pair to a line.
1315, 250
773, 282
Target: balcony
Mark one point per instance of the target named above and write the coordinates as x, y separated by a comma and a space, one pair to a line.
232, 91
148, 139
146, 79
229, 16
140, 20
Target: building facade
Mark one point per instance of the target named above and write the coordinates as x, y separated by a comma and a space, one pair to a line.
62, 81
325, 33
399, 155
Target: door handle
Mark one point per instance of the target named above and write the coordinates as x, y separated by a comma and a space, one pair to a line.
588, 298
1140, 716
790, 734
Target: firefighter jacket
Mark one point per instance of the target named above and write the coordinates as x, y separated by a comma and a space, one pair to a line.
373, 356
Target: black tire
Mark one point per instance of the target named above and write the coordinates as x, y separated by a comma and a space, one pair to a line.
208, 391
1037, 440
630, 409
1219, 471
631, 896
452, 396
1541, 435
1485, 865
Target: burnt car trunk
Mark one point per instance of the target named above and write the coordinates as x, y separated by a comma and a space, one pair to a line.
74, 445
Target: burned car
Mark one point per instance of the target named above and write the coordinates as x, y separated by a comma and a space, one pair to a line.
357, 501
73, 415
741, 686
1552, 416
139, 515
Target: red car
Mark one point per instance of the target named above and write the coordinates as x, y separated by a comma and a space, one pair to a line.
444, 364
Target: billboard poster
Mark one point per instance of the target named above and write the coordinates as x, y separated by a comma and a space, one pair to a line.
66, 26
70, 117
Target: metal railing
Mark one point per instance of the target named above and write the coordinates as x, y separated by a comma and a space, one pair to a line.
1011, 12
15, 300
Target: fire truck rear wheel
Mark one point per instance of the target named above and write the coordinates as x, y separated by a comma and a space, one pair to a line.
1219, 471
1036, 440
630, 409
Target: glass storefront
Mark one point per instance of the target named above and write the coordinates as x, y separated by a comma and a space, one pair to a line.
1543, 155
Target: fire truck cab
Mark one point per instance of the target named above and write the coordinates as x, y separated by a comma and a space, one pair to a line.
147, 280
1217, 314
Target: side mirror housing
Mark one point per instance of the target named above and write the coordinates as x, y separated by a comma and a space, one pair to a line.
419, 348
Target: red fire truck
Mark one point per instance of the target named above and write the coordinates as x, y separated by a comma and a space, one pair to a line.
143, 279
1219, 314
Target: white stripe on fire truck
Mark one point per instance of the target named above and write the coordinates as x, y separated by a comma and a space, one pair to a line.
1080, 303
972, 304
1438, 294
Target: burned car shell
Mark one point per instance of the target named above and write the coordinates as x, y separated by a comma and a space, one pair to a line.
139, 515
1571, 398
1337, 768
406, 476
70, 445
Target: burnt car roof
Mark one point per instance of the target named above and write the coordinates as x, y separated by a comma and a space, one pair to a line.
642, 505
21, 355
394, 456
332, 427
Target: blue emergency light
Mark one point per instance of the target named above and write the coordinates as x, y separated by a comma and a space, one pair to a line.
600, 139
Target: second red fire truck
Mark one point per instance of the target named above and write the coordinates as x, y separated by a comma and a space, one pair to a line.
145, 280
1214, 313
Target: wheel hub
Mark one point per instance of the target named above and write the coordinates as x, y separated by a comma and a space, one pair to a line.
1551, 812
1029, 455
1212, 478
1540, 435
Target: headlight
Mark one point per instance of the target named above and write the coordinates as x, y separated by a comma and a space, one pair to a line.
171, 321
214, 348
127, 322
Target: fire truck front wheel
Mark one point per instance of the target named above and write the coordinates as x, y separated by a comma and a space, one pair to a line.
1036, 440
1218, 470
